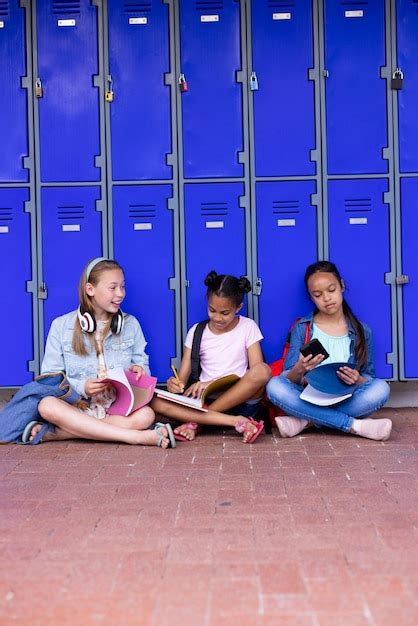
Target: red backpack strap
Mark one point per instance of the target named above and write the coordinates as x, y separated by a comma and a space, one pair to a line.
307, 332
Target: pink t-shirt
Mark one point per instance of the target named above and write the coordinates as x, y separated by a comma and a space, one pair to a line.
225, 353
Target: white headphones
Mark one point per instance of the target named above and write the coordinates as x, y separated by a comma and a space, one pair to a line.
87, 321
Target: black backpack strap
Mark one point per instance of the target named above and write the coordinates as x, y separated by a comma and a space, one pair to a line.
197, 338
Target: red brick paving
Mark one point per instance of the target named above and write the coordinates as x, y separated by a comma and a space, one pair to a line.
321, 530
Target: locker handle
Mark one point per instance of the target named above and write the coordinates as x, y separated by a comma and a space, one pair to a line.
258, 286
253, 82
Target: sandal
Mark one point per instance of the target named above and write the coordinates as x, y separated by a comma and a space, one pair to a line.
170, 434
242, 427
191, 426
27, 431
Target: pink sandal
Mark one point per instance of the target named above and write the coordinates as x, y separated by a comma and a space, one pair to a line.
242, 427
191, 426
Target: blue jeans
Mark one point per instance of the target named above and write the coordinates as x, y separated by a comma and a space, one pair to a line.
366, 399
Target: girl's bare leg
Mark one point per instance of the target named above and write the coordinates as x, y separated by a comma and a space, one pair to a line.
72, 422
250, 386
139, 420
184, 414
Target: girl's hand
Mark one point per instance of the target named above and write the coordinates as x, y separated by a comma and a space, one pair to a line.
196, 390
93, 386
138, 370
174, 386
349, 375
308, 363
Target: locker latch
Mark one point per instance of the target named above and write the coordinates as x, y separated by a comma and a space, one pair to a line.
253, 82
403, 279
39, 92
258, 285
43, 291
183, 83
397, 79
109, 95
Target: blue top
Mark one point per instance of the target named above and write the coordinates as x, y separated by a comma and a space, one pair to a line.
338, 348
123, 350
297, 339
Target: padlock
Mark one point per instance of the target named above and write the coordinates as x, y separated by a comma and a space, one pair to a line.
109, 95
396, 82
253, 82
39, 92
183, 83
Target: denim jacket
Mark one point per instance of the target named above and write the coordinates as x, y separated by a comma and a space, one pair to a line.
297, 340
23, 407
122, 350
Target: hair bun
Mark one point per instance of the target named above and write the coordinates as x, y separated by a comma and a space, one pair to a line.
210, 278
244, 284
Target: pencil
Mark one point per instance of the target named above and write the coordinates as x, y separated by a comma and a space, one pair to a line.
176, 375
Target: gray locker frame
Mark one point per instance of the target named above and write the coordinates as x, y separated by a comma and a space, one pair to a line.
242, 77
100, 163
30, 205
316, 153
398, 176
172, 160
388, 152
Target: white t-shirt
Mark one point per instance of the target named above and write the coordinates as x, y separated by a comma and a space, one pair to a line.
225, 353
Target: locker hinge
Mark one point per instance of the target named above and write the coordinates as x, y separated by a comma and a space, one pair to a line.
402, 279
258, 286
42, 291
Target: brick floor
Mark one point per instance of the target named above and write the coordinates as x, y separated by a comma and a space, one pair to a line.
321, 530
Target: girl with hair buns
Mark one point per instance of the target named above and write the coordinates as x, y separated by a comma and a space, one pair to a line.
84, 344
230, 343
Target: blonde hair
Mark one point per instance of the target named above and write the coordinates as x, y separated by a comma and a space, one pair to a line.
85, 300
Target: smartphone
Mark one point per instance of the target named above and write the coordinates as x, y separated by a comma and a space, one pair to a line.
314, 347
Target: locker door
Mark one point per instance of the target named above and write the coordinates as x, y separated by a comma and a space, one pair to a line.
286, 244
409, 225
71, 236
67, 51
407, 41
212, 106
215, 239
356, 124
140, 112
143, 244
284, 106
15, 301
13, 101
359, 244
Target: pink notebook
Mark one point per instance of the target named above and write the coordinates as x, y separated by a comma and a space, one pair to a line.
131, 394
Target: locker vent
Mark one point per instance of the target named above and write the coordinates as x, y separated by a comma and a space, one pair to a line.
213, 208
137, 7
71, 211
4, 8
286, 206
353, 205
280, 4
66, 7
136, 211
209, 5
6, 214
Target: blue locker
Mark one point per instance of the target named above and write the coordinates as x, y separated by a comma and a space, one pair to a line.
407, 42
359, 244
286, 244
212, 106
143, 244
215, 239
140, 112
13, 102
71, 235
69, 107
284, 104
356, 112
15, 301
409, 229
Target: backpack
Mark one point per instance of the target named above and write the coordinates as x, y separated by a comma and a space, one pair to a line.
276, 369
195, 356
